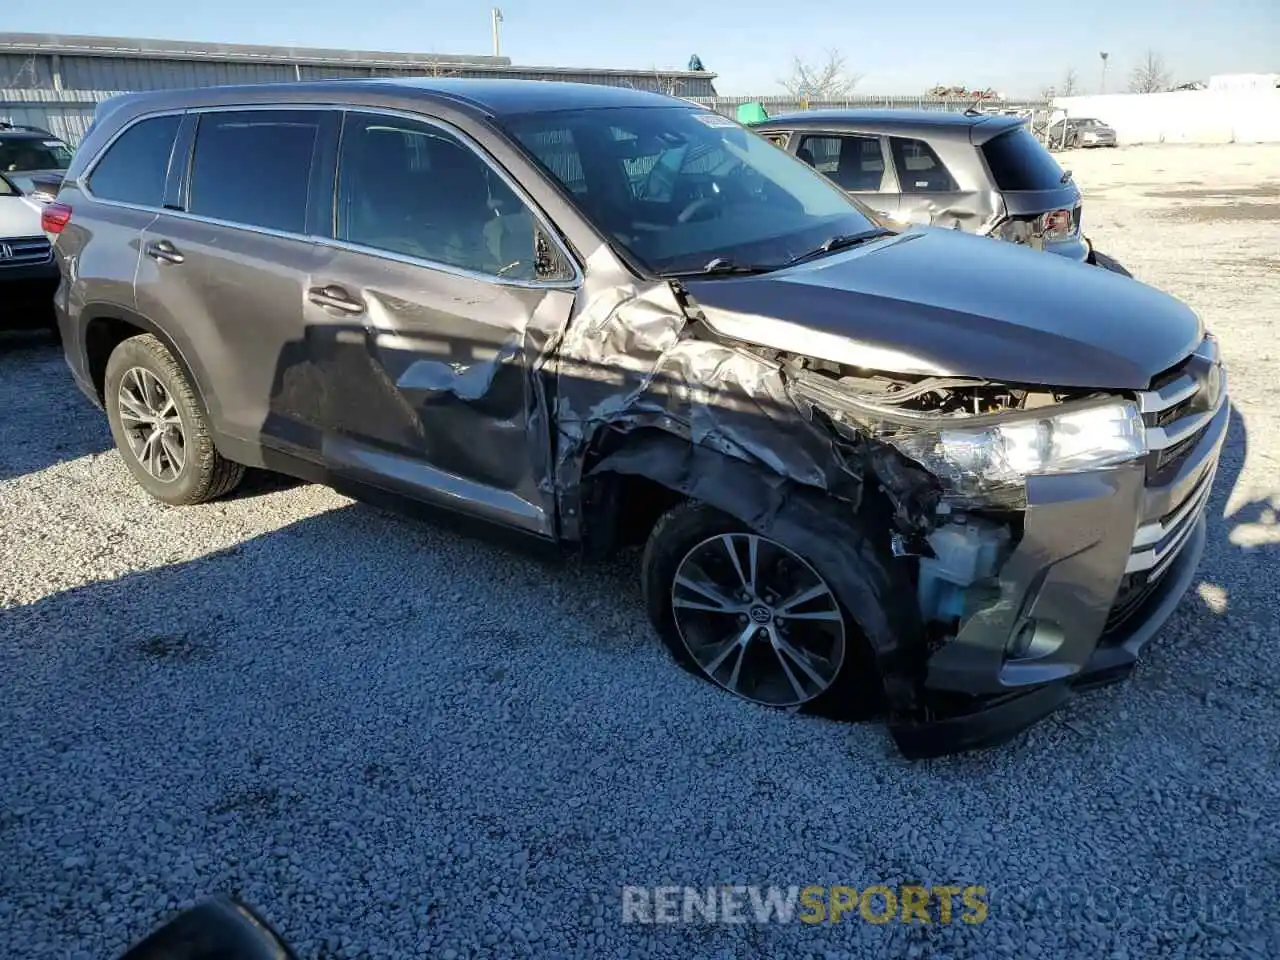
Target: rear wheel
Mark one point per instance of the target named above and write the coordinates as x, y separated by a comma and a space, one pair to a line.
753, 616
160, 428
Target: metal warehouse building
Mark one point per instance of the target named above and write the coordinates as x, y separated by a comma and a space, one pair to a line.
56, 81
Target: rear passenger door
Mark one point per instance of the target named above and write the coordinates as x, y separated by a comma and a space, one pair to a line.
427, 319
930, 194
227, 264
855, 163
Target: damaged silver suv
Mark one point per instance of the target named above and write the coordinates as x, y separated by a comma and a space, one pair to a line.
907, 471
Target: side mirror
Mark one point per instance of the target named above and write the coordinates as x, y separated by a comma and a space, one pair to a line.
216, 929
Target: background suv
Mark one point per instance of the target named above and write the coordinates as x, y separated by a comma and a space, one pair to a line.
980, 173
30, 156
870, 467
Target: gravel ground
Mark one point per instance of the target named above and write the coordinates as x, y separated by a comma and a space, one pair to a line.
398, 741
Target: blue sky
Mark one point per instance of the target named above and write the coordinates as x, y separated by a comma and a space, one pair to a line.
898, 47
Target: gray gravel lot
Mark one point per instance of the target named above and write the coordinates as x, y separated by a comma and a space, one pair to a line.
399, 741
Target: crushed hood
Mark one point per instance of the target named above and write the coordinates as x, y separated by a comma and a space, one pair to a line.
939, 302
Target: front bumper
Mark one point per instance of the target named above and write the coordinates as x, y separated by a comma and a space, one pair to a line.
26, 293
1002, 718
1103, 561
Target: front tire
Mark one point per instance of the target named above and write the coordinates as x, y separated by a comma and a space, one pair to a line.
160, 428
753, 617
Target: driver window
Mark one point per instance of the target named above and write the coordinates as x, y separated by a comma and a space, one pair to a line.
413, 189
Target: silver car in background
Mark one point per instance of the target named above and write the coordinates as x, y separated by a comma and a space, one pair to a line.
980, 173
1080, 132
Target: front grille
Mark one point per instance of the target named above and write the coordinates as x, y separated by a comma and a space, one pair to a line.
1178, 410
24, 252
1134, 589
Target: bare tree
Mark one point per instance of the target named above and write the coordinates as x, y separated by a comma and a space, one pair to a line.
440, 68
669, 85
1070, 83
827, 79
1150, 76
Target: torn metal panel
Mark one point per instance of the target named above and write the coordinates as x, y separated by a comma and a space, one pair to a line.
630, 360
975, 211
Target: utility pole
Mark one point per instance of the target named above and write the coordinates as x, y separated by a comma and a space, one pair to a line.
1104, 56
497, 42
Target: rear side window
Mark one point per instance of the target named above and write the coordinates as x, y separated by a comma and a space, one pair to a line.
254, 167
134, 167
853, 162
919, 169
1019, 162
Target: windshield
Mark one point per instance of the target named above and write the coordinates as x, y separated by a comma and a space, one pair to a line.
681, 188
33, 153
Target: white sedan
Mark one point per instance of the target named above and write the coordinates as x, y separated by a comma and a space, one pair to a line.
28, 272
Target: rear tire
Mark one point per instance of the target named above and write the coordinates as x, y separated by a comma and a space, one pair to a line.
750, 649
160, 427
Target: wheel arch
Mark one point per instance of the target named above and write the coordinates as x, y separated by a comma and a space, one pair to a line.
827, 531
106, 326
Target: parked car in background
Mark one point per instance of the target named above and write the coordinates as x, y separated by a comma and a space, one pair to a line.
1081, 132
28, 272
976, 172
32, 159
871, 466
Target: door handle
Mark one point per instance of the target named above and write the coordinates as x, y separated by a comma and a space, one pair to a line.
162, 251
333, 297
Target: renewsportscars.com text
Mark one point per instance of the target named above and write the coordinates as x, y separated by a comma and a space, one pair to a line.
812, 904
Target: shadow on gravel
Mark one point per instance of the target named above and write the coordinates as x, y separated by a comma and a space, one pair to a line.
1251, 531
44, 419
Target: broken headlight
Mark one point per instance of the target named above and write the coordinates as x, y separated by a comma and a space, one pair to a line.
981, 462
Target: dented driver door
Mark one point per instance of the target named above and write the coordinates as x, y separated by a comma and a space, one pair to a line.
426, 326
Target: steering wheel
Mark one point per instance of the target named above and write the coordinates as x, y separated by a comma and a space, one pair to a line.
694, 206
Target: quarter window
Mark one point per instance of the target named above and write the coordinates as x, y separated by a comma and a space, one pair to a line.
919, 169
254, 167
133, 169
413, 189
855, 163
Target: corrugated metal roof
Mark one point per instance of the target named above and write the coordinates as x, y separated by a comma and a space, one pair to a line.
68, 45
82, 49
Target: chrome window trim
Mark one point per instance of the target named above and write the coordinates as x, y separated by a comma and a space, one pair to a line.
538, 215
